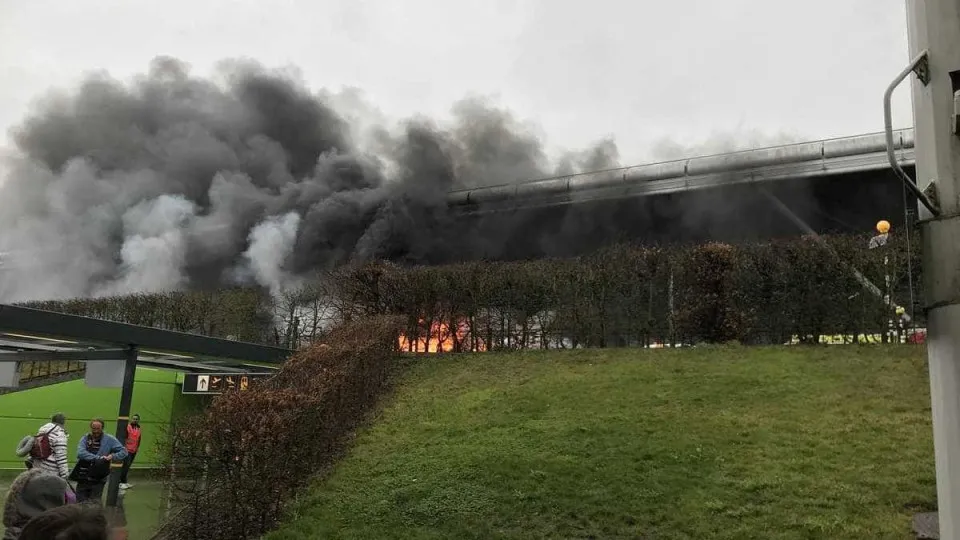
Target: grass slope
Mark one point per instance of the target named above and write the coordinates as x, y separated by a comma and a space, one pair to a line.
700, 443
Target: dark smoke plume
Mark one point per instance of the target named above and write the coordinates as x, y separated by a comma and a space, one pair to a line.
173, 181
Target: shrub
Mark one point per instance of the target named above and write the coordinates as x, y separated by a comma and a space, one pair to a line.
713, 293
237, 463
619, 296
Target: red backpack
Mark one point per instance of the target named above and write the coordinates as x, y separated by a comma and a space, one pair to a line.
41, 446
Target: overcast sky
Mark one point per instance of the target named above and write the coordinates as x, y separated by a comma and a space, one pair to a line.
637, 70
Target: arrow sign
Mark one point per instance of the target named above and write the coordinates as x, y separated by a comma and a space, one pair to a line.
217, 383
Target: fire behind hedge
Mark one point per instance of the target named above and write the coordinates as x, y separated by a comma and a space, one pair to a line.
237, 463
761, 293
753, 293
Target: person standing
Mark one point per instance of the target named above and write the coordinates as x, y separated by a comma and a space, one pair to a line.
132, 444
96, 451
48, 448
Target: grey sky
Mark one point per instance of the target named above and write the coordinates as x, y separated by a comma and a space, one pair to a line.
639, 71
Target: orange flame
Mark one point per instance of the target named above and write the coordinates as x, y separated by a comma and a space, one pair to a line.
442, 337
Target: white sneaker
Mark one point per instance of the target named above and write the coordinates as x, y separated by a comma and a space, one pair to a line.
126, 486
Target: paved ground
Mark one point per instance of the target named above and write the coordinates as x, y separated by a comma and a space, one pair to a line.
926, 526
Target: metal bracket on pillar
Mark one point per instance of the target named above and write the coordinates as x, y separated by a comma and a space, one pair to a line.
955, 81
956, 113
921, 67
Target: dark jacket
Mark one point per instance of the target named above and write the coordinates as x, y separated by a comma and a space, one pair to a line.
32, 493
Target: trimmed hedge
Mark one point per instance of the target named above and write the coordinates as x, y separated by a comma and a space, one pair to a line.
762, 293
235, 466
242, 314
754, 293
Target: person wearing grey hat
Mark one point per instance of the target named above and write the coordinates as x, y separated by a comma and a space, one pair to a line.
32, 493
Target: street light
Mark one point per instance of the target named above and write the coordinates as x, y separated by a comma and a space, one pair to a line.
900, 319
878, 241
883, 232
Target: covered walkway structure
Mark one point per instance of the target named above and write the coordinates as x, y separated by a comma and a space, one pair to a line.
110, 353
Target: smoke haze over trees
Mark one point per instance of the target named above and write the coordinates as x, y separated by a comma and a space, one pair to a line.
174, 181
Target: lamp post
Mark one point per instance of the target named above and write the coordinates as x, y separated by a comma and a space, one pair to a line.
880, 241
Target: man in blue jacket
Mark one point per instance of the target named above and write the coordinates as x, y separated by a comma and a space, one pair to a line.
96, 451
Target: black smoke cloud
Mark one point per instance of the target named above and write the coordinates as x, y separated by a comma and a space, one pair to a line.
175, 181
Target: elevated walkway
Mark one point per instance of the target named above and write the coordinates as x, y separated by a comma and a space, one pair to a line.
828, 157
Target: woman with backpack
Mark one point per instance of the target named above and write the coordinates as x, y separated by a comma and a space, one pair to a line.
47, 450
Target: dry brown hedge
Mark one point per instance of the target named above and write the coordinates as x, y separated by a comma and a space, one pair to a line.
240, 461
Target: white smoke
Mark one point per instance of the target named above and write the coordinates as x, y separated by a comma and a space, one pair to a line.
271, 242
58, 239
721, 142
154, 248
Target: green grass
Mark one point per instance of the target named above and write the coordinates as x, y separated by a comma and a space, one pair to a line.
828, 442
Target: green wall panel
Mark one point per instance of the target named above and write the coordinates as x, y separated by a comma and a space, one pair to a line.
156, 397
